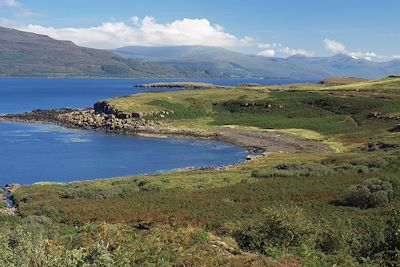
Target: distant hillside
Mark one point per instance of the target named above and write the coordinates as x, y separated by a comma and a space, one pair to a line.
391, 83
219, 60
24, 54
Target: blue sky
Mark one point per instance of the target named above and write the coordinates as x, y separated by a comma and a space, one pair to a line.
361, 28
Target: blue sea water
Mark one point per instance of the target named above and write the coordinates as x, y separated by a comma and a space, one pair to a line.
32, 153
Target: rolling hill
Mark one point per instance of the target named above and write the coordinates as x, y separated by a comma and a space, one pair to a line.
24, 54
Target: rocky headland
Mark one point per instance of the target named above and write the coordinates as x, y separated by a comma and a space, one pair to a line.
90, 119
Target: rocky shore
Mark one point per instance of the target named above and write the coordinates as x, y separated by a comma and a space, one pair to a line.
98, 120
89, 119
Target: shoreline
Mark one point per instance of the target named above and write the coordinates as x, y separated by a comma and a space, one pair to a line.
89, 119
257, 143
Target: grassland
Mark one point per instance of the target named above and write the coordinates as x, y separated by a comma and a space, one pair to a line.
335, 118
286, 209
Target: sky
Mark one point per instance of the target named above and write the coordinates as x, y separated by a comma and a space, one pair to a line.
366, 29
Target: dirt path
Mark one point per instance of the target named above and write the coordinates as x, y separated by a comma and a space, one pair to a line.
272, 141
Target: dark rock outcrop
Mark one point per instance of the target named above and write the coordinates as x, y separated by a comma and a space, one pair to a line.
104, 107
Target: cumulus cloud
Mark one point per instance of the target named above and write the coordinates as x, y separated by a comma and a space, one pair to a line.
146, 32
135, 20
271, 49
295, 52
267, 53
334, 46
338, 47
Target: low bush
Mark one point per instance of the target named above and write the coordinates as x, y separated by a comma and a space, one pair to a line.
276, 231
389, 255
323, 168
294, 170
369, 194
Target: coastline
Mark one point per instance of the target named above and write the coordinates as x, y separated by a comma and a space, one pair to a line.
89, 119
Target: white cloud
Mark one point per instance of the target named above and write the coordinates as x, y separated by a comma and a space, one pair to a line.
266, 45
9, 3
294, 52
267, 53
365, 55
4, 22
271, 49
334, 46
337, 47
135, 20
145, 32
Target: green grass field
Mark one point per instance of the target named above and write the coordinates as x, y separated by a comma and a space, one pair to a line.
286, 209
339, 118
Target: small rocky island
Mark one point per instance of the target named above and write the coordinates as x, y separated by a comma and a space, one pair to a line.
180, 85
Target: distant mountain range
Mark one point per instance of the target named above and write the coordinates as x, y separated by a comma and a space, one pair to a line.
220, 60
24, 54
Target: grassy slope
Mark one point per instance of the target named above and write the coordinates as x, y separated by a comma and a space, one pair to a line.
334, 118
224, 201
382, 85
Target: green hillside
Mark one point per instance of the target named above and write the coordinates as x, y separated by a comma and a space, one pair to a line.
24, 54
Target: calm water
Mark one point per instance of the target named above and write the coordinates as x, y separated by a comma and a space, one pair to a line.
35, 153
32, 153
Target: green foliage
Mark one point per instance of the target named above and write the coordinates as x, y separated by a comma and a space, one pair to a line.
35, 241
276, 231
392, 231
294, 170
324, 168
369, 194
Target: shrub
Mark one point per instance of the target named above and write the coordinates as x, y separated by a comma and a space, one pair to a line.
369, 194
371, 163
275, 232
293, 170
350, 168
392, 231
318, 169
390, 253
